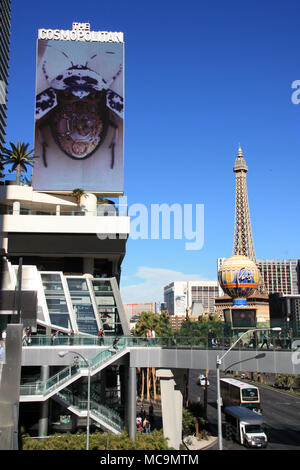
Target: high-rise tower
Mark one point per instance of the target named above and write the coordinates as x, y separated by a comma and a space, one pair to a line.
242, 241
5, 9
257, 312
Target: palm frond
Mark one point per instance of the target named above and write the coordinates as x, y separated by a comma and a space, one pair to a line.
19, 156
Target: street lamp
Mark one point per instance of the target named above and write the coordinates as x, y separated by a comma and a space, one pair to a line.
63, 354
219, 362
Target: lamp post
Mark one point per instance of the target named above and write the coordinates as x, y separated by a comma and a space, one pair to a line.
63, 354
218, 363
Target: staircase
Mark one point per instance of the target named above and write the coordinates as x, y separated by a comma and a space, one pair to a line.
108, 419
42, 390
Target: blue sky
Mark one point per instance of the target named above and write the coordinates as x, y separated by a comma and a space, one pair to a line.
200, 77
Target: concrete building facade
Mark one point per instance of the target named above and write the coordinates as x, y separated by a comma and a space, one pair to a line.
68, 259
132, 310
5, 9
196, 296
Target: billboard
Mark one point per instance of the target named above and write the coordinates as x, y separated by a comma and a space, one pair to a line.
243, 318
79, 115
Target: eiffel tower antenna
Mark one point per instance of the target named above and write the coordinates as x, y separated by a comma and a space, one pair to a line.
242, 240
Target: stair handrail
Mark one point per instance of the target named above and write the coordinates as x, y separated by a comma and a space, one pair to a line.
40, 387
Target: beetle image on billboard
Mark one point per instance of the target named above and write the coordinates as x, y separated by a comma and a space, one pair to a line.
79, 116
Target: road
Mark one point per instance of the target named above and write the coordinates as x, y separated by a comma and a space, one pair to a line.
281, 413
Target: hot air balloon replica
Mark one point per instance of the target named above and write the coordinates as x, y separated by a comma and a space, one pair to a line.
239, 278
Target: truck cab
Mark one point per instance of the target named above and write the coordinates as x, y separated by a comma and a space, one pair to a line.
245, 426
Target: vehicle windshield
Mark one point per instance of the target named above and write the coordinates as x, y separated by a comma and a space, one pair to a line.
249, 394
253, 428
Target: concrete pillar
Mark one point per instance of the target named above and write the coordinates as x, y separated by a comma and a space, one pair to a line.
88, 266
131, 403
44, 410
58, 209
48, 330
123, 370
116, 271
171, 402
10, 376
88, 204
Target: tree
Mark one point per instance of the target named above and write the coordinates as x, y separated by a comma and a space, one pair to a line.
161, 325
78, 193
19, 157
188, 422
197, 331
146, 321
164, 326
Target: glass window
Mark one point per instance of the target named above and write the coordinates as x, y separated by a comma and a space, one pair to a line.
249, 394
107, 308
82, 305
56, 301
253, 428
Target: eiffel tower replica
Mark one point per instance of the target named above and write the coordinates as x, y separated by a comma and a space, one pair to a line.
242, 239
243, 243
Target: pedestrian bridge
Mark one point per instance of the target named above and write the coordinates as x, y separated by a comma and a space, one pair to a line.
188, 353
169, 357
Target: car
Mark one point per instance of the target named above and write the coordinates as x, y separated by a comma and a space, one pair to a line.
201, 380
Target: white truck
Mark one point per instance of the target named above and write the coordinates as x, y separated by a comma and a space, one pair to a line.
245, 426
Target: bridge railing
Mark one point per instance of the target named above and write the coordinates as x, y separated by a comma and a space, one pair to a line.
274, 341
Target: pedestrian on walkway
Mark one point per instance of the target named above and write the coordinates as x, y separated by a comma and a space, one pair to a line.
101, 337
265, 341
210, 337
24, 338
253, 341
139, 425
146, 426
28, 333
71, 337
148, 334
289, 339
75, 364
153, 336
115, 343
151, 415
53, 337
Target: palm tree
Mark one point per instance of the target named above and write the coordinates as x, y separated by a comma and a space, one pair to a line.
161, 325
19, 157
78, 193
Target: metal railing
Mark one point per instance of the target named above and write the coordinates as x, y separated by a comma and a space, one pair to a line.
275, 341
104, 413
43, 387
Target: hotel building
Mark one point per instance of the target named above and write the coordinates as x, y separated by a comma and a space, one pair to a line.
5, 9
